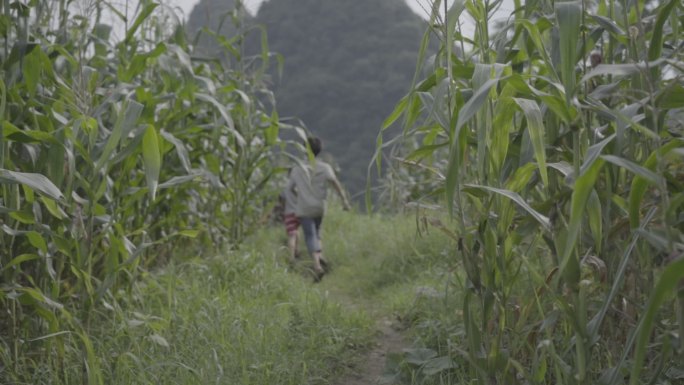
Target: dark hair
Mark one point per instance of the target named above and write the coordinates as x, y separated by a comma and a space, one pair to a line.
315, 145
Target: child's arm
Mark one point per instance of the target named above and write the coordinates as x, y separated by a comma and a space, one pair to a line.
340, 192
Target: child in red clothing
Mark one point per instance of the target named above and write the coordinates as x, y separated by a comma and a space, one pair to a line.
309, 183
291, 221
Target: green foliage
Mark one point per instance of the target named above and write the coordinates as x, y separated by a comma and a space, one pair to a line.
114, 154
551, 143
382, 256
238, 318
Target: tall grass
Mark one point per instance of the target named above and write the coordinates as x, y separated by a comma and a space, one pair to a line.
386, 268
563, 177
239, 318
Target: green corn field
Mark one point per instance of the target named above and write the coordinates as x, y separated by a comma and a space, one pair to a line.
548, 149
555, 138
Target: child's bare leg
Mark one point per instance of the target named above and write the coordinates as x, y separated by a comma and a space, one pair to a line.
323, 262
292, 245
317, 262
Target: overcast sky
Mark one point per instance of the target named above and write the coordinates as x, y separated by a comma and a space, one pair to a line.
418, 6
253, 5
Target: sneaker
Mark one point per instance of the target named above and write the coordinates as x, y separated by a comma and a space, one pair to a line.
325, 265
318, 276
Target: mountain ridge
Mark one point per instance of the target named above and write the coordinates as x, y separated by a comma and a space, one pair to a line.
346, 65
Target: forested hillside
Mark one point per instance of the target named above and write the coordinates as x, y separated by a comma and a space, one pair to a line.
346, 63
211, 20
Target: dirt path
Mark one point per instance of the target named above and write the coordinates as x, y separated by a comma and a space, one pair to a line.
370, 371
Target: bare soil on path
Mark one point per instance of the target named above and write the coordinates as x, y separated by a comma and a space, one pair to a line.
371, 369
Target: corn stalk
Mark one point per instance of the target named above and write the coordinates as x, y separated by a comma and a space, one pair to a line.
552, 148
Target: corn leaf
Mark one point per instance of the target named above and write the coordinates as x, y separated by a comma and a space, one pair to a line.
182, 179
515, 197
608, 25
147, 10
36, 182
36, 240
139, 62
19, 260
535, 127
568, 16
594, 153
92, 363
31, 69
671, 97
223, 111
396, 113
475, 103
151, 159
656, 46
595, 214
621, 69
536, 37
569, 267
619, 277
189, 233
667, 283
640, 184
642, 172
3, 105
37, 295
181, 150
468, 110
124, 124
452, 16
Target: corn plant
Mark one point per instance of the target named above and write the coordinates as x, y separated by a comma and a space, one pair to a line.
557, 143
112, 154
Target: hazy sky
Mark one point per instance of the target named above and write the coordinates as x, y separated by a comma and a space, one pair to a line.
253, 5
418, 6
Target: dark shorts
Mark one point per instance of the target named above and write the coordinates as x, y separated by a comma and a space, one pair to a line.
312, 233
291, 223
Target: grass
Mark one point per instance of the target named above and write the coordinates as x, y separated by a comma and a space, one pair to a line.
246, 317
385, 268
379, 262
241, 320
238, 318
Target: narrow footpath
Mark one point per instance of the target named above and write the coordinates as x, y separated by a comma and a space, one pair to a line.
389, 341
372, 368
377, 265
